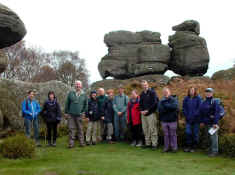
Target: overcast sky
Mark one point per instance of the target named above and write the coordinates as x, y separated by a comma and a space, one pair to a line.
81, 25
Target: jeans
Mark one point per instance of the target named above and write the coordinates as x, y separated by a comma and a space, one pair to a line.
119, 126
192, 134
28, 125
170, 136
214, 141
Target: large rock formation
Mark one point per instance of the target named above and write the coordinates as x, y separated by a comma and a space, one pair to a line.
134, 54
12, 29
189, 54
3, 61
14, 92
228, 74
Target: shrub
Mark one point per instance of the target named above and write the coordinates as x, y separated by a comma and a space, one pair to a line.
227, 145
18, 146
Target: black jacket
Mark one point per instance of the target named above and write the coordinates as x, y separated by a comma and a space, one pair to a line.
93, 113
168, 109
51, 111
149, 101
108, 111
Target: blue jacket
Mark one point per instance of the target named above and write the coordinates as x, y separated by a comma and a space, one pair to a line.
191, 109
30, 109
209, 112
168, 109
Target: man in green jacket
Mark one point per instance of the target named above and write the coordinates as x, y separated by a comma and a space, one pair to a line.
75, 109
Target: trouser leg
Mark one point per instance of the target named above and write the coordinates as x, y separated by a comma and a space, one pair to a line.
80, 131
152, 122
146, 130
165, 129
173, 135
36, 129
94, 133
109, 131
72, 130
116, 126
49, 132
188, 132
88, 131
122, 126
27, 125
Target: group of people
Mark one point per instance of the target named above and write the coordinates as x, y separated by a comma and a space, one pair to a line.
109, 117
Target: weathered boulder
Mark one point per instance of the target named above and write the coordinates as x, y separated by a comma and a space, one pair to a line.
14, 92
189, 54
3, 61
160, 80
134, 54
12, 29
228, 74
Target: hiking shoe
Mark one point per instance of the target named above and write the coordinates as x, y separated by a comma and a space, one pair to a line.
213, 154
88, 143
38, 144
93, 143
70, 146
133, 143
154, 148
186, 150
165, 150
140, 144
174, 151
191, 150
54, 144
146, 146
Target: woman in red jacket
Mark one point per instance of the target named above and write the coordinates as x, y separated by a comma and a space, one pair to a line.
134, 119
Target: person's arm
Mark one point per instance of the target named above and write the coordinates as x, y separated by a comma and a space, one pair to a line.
171, 105
128, 112
141, 103
185, 109
154, 105
216, 113
115, 105
85, 106
38, 109
67, 104
24, 110
58, 111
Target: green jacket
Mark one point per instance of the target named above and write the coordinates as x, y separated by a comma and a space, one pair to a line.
76, 105
101, 100
120, 103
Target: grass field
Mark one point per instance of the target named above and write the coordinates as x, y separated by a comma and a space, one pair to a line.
117, 159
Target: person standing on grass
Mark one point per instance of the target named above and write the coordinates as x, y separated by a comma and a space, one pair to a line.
120, 106
75, 109
101, 99
51, 114
191, 105
168, 113
148, 105
92, 117
134, 119
30, 112
210, 114
108, 115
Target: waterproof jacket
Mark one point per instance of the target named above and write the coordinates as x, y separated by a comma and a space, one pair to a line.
92, 112
76, 105
191, 107
101, 100
149, 101
108, 111
51, 111
209, 112
30, 109
168, 109
120, 103
133, 112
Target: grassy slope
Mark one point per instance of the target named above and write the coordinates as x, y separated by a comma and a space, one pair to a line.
104, 159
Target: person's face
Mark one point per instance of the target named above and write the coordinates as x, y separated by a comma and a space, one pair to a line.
93, 95
121, 90
51, 96
192, 92
145, 85
110, 95
101, 92
78, 86
166, 93
31, 95
134, 95
209, 94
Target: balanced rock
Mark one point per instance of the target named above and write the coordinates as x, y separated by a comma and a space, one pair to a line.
134, 54
3, 61
228, 74
189, 54
12, 29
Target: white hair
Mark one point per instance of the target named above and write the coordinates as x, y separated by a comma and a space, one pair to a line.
78, 81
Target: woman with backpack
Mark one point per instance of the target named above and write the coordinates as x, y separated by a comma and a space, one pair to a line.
168, 113
52, 116
191, 105
210, 115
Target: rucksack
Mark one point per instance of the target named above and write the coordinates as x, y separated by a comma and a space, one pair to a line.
27, 107
221, 107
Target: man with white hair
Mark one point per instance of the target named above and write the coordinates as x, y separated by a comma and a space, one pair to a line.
75, 109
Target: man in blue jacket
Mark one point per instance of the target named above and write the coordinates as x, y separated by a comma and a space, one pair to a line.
30, 112
209, 112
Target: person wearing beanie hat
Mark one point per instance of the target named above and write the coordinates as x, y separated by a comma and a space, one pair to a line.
92, 117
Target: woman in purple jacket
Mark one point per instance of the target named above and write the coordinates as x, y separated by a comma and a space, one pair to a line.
191, 105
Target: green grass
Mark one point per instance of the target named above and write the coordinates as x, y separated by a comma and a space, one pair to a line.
117, 159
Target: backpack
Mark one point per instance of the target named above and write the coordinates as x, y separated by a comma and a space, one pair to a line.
27, 107
221, 107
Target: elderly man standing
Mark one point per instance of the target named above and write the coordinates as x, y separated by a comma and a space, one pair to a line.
101, 99
120, 103
75, 109
148, 106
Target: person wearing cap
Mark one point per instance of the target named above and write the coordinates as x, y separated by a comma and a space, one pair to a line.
92, 117
51, 114
209, 113
120, 116
191, 104
148, 107
75, 108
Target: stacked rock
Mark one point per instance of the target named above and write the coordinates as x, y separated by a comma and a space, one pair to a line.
189, 54
134, 54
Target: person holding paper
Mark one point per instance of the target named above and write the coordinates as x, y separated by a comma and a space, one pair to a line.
209, 112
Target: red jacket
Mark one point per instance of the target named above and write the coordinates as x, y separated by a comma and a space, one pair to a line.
135, 112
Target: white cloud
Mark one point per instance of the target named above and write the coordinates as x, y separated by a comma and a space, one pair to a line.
81, 25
